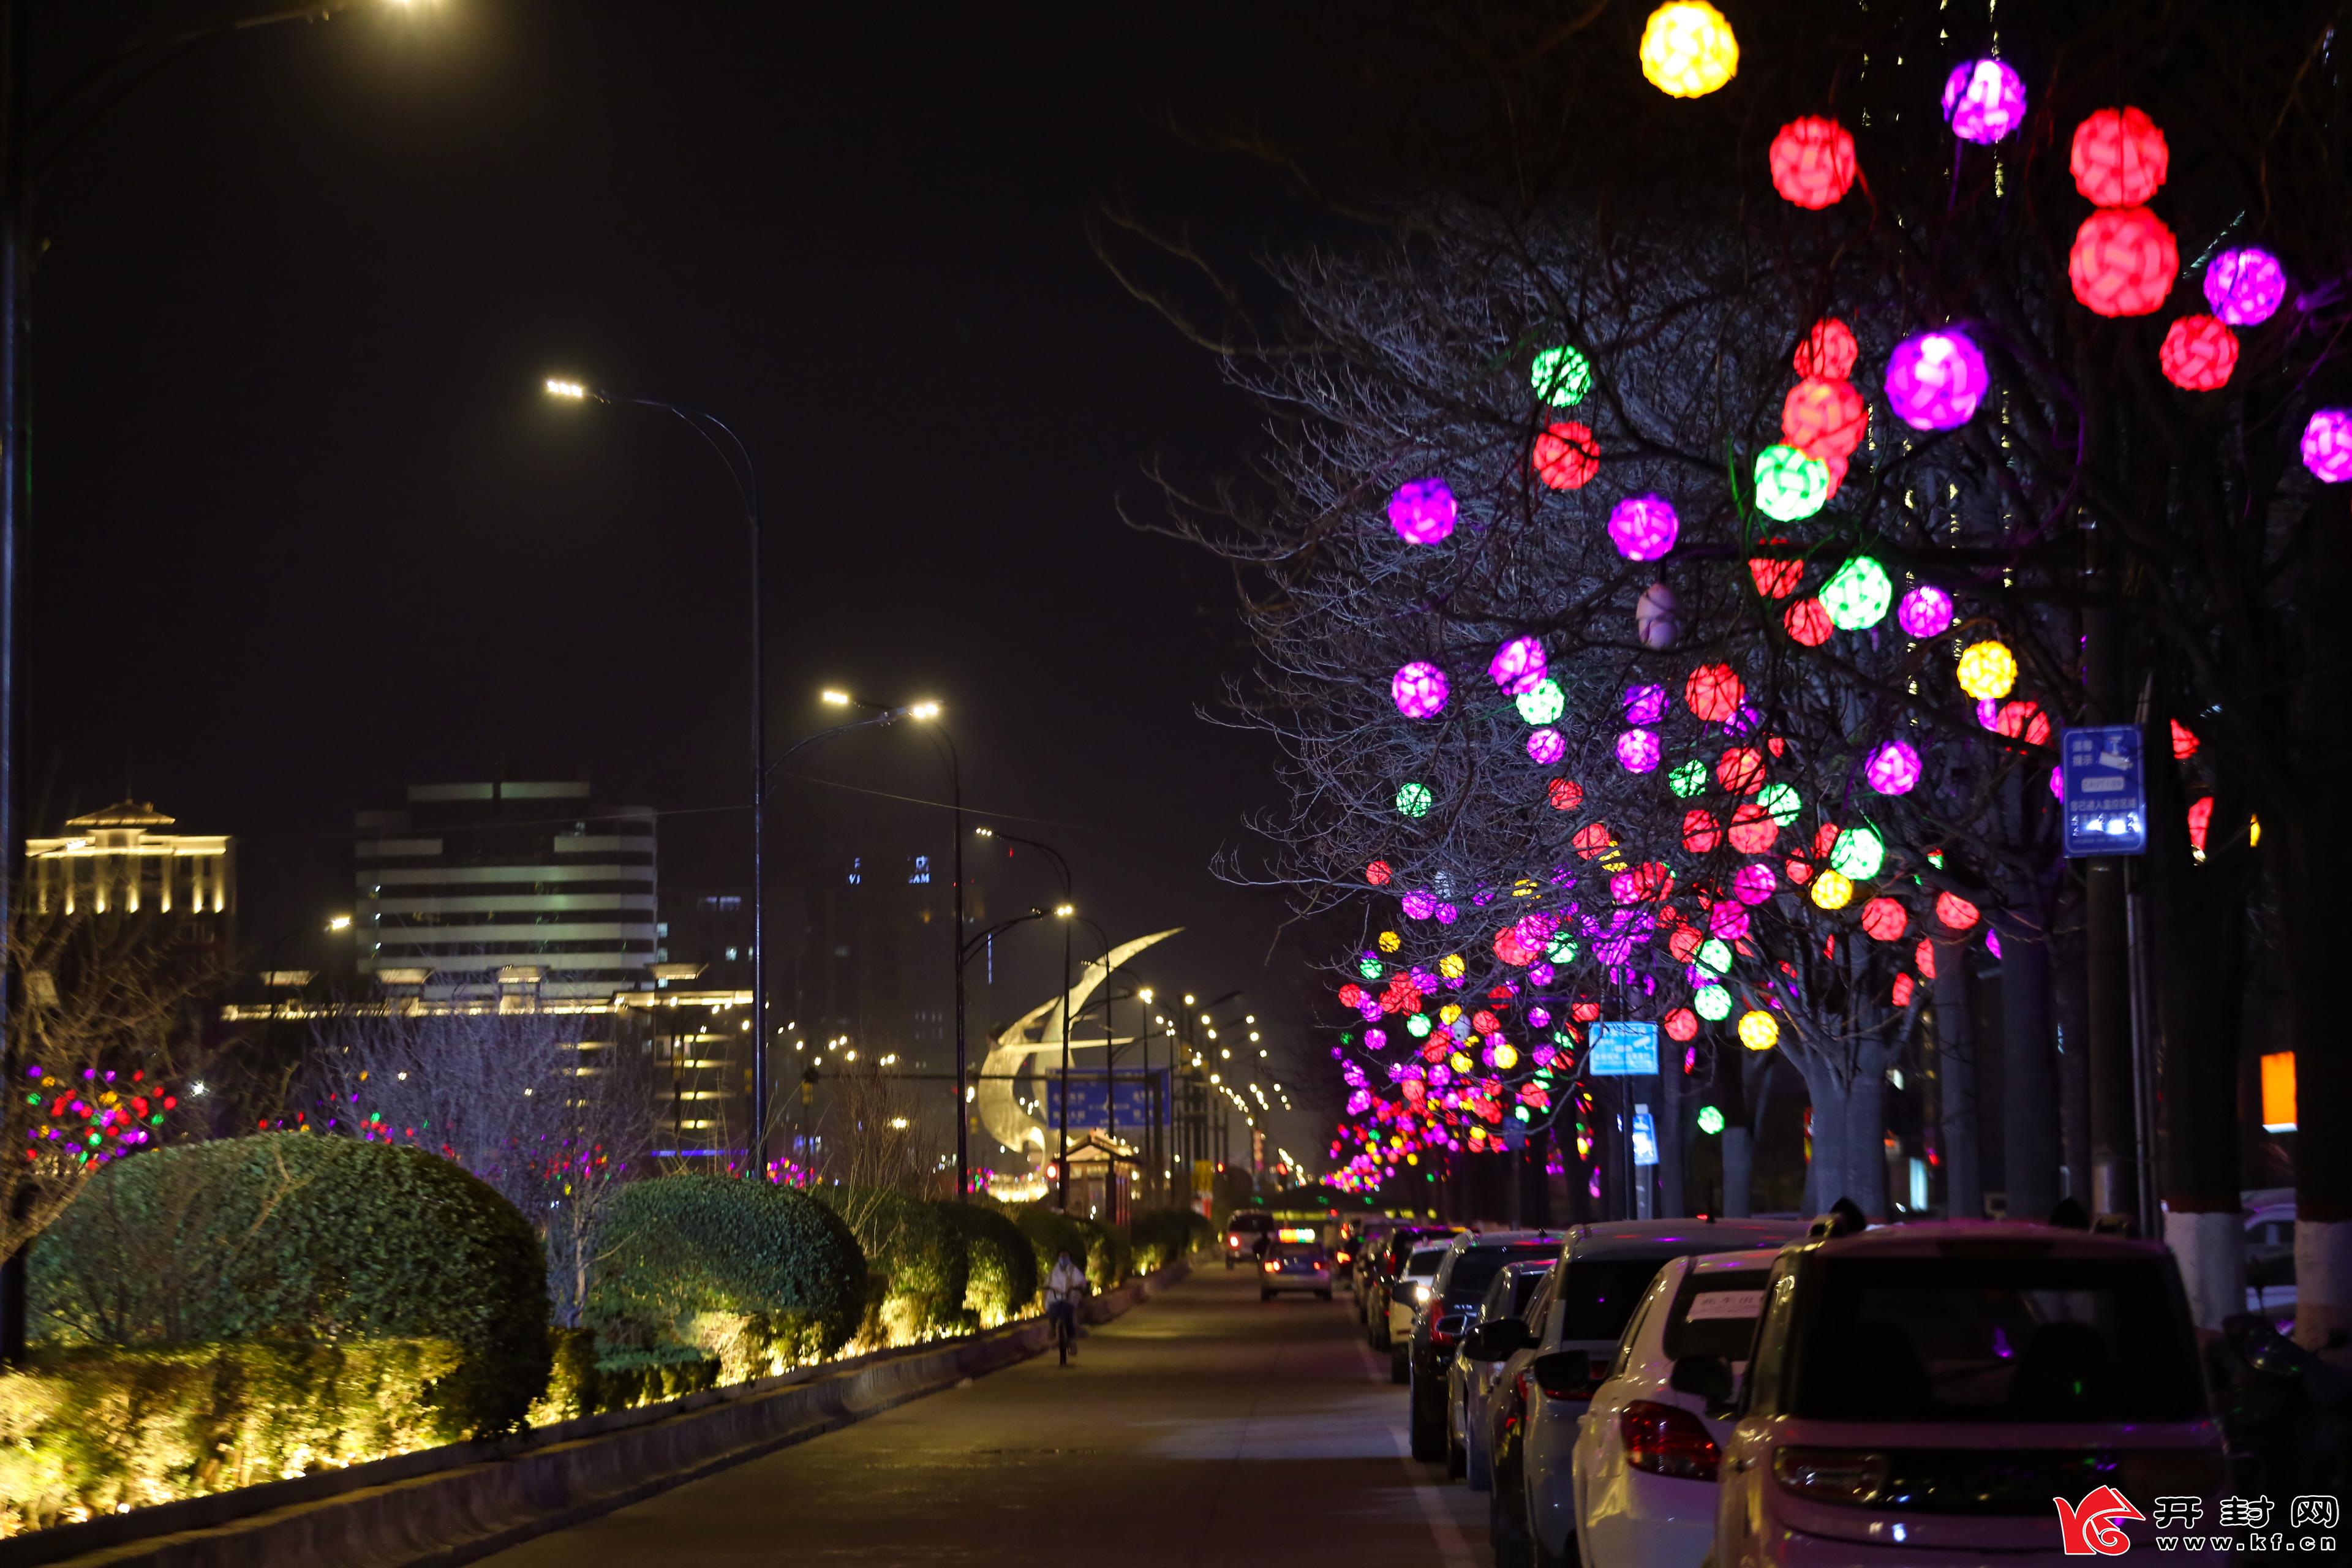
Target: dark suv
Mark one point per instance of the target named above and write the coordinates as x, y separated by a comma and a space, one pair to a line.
1462, 1280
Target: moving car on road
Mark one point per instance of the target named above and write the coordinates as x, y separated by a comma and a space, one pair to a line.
1296, 1266
1469, 1381
1243, 1232
1469, 1266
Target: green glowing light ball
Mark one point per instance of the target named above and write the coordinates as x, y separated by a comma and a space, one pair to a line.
1858, 595
1543, 702
1714, 956
1858, 854
1561, 950
1710, 1119
1370, 968
1783, 801
1712, 1002
1562, 376
1789, 486
1687, 778
1414, 800
1417, 1025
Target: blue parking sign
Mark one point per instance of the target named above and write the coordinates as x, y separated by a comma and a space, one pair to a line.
2105, 789
1623, 1049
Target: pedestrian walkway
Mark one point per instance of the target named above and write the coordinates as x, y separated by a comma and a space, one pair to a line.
1204, 1427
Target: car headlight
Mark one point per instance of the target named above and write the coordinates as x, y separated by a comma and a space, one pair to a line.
1421, 1294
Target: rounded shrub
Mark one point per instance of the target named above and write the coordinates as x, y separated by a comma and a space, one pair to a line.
1000, 1272
1051, 1233
1109, 1259
1161, 1236
298, 1235
914, 1259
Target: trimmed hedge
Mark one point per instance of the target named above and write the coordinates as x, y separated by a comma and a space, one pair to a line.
1051, 1233
915, 1263
1001, 1273
760, 1276
585, 1384
297, 1236
89, 1429
1109, 1258
1161, 1236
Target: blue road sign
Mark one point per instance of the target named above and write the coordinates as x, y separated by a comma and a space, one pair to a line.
1089, 1104
1623, 1050
1645, 1137
2105, 790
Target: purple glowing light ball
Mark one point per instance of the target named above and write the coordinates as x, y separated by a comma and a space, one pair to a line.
1729, 922
1935, 380
1374, 1039
1925, 611
2245, 287
1370, 1007
2327, 445
1422, 511
1637, 751
1538, 1017
1447, 914
1893, 769
1752, 883
1989, 714
1539, 974
1984, 100
2058, 783
1644, 527
1420, 690
1544, 746
1517, 665
1535, 929
1418, 905
1644, 704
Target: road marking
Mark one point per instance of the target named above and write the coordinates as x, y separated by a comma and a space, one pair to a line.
1453, 1549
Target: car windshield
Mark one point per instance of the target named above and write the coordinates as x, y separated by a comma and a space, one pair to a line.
1715, 1314
1599, 1295
1423, 1264
1997, 1338
1250, 1221
1476, 1268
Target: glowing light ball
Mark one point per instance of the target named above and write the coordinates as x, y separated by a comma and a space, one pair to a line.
1893, 768
1637, 751
1511, 949
1644, 527
1593, 840
1812, 162
1775, 578
1686, 778
1565, 795
1536, 931
1378, 873
1701, 832
2120, 158
1370, 965
2245, 287
2122, 262
1858, 595
1758, 1030
1883, 919
1688, 49
1789, 486
1517, 665
1545, 747
1562, 376
1807, 622
1925, 611
1657, 617
1350, 995
1419, 689
1418, 905
1935, 380
1783, 801
1984, 100
1714, 692
1712, 1002
1506, 1056
1859, 852
2023, 721
1729, 922
1740, 770
1644, 704
2184, 742
1824, 418
1954, 911
1414, 799
1710, 1119
2327, 445
1832, 892
1541, 703
1988, 671
1452, 967
1829, 351
1422, 511
1682, 1024
1567, 456
1752, 883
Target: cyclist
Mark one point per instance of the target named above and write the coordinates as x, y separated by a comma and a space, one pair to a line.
1064, 1286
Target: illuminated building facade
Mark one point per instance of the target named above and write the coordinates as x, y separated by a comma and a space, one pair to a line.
126, 859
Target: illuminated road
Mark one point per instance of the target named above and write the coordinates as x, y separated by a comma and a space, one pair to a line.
1202, 1427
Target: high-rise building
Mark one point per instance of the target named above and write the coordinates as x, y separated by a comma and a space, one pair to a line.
124, 859
516, 892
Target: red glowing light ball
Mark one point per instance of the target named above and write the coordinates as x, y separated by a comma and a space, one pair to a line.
1836, 463
1485, 1023
1884, 918
2184, 744
1901, 997
1378, 873
1682, 1024
1824, 418
1753, 828
2198, 353
2025, 721
2120, 158
1829, 351
1924, 955
1701, 832
1585, 1012
1683, 942
1651, 883
1776, 579
1352, 995
1593, 840
2201, 820
1401, 996
1812, 162
1567, 456
1566, 794
2124, 261
1714, 692
1808, 622
1740, 770
1954, 911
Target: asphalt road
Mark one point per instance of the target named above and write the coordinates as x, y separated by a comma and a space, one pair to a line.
1202, 1428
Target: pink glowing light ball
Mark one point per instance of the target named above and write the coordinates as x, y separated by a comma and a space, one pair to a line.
2327, 445
1420, 690
1419, 905
1637, 751
1752, 883
1644, 704
1644, 527
1893, 768
1984, 100
1545, 747
1935, 380
2245, 287
1926, 612
1729, 922
1517, 665
1422, 511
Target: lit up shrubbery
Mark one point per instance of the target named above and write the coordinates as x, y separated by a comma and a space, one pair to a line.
915, 1269
1000, 1272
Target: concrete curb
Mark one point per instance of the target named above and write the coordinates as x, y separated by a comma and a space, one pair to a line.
450, 1506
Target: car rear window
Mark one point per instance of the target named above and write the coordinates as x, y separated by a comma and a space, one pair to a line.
1598, 1295
1715, 1314
1476, 1268
1250, 1221
1995, 1339
1423, 1264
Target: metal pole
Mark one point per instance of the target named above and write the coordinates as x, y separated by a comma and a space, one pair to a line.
962, 1117
1063, 1185
14, 490
759, 1150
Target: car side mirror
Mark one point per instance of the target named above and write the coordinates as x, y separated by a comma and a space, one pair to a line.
1565, 1374
1708, 1376
1497, 1341
1450, 1326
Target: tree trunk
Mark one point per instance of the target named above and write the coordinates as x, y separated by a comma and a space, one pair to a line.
2028, 1076
1673, 1200
1742, 1114
1955, 1086
1849, 1156
2070, 998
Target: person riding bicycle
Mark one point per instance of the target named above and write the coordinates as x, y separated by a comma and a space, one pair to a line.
1064, 1286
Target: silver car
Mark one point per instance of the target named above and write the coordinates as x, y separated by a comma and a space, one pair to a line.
1469, 1381
1295, 1265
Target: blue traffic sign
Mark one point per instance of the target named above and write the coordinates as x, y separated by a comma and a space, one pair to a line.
2105, 790
1645, 1137
1623, 1049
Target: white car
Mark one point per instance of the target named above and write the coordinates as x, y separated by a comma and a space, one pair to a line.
1644, 1469
1408, 1294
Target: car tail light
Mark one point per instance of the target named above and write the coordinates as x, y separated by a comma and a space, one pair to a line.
1440, 1340
1344, 1256
1272, 1268
1854, 1477
1564, 1375
1666, 1440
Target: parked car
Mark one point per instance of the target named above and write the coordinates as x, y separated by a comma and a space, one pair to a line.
1411, 1288
1556, 1357
1469, 1381
1921, 1393
1642, 1470
2270, 1259
1296, 1266
1243, 1232
1468, 1267
1379, 1285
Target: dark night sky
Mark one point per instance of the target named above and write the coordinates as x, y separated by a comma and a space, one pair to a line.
305, 530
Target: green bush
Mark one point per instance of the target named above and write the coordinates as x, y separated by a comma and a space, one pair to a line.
585, 1383
1051, 1233
1001, 1273
1161, 1236
1109, 1258
89, 1429
298, 1235
915, 1259
760, 1276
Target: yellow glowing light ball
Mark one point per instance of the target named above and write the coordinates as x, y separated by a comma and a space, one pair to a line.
1447, 1014
1831, 890
1505, 1057
1450, 966
1390, 942
1459, 1061
1988, 671
1758, 1030
1687, 50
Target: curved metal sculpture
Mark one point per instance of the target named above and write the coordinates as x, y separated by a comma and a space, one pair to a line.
1009, 1053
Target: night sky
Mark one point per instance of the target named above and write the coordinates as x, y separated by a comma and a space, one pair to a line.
305, 529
